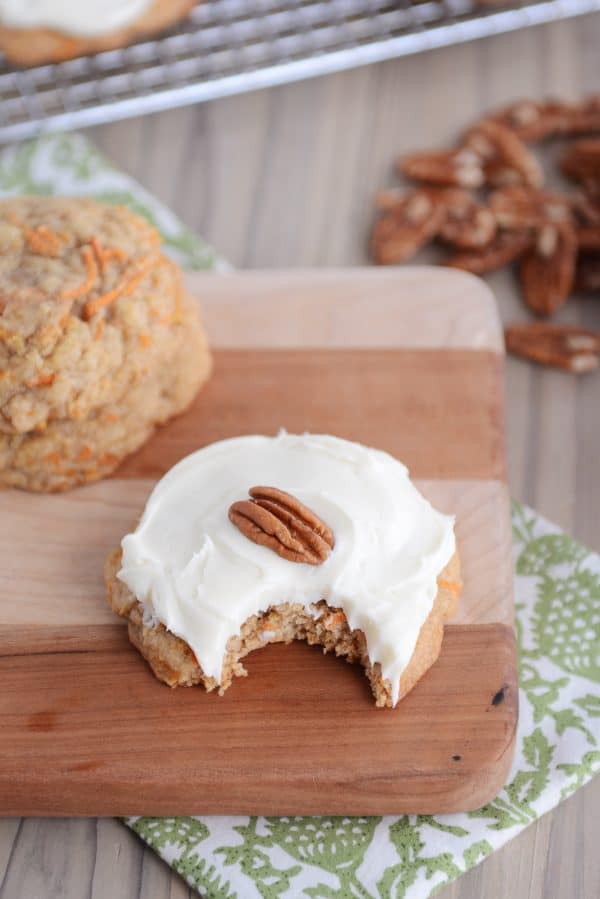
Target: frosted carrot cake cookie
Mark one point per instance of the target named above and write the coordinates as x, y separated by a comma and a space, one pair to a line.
99, 341
33, 32
260, 540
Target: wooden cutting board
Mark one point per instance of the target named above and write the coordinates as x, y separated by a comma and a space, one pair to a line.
408, 360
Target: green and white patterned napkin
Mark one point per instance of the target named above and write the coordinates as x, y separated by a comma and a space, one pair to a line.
70, 165
557, 590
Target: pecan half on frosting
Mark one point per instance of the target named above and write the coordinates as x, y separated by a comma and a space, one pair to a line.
279, 521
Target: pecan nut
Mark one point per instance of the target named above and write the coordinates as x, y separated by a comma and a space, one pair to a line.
583, 118
409, 221
548, 269
586, 208
533, 121
279, 521
502, 250
458, 168
520, 206
504, 156
588, 238
467, 224
561, 346
587, 273
581, 162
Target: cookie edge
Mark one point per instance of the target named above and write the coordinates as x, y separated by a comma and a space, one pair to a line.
173, 661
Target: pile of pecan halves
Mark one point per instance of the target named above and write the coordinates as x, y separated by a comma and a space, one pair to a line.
485, 200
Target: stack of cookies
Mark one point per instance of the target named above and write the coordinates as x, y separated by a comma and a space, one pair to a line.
99, 341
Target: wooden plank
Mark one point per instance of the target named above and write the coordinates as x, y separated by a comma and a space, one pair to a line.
447, 746
439, 411
53, 599
413, 307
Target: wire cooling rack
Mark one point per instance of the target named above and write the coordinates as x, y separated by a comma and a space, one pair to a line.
231, 46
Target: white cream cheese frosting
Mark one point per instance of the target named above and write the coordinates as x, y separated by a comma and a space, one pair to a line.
82, 18
197, 574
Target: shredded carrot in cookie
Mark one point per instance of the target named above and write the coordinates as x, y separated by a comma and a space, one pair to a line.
448, 585
161, 319
54, 458
110, 417
91, 278
76, 411
105, 254
108, 459
42, 381
124, 287
85, 454
145, 340
115, 253
43, 241
99, 330
99, 252
334, 619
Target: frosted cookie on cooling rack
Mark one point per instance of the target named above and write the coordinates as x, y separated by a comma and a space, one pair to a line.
260, 540
99, 341
33, 32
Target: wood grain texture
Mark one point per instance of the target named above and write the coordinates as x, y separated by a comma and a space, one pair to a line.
273, 743
439, 411
226, 169
56, 629
377, 308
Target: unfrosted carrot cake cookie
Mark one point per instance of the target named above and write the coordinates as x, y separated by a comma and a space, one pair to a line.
99, 342
33, 32
259, 540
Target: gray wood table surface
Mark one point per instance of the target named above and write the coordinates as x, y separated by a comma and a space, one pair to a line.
286, 177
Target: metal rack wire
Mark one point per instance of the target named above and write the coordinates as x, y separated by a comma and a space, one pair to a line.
231, 46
